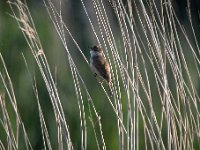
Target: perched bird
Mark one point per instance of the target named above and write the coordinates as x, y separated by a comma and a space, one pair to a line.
100, 65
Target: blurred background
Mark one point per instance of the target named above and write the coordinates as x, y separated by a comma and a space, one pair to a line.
13, 44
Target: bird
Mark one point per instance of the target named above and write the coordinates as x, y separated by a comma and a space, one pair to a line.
99, 65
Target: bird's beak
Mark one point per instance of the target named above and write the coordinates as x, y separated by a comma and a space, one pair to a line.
90, 48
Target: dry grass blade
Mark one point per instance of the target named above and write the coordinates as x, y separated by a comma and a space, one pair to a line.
27, 27
13, 139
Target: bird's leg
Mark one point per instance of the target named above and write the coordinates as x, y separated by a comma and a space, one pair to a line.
99, 79
110, 88
101, 82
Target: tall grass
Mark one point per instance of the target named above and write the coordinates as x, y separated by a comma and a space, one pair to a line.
155, 73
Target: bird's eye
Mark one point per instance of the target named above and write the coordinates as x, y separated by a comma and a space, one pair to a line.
95, 48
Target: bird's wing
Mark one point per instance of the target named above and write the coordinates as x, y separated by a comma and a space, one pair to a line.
102, 67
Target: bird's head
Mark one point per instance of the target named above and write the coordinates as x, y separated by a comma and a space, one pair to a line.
96, 50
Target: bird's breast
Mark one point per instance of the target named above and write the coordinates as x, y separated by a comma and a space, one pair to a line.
93, 68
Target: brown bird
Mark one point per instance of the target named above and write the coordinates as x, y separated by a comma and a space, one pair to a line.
100, 65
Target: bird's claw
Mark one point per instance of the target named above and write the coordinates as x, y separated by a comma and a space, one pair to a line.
95, 75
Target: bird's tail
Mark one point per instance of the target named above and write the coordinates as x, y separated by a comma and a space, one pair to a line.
110, 88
